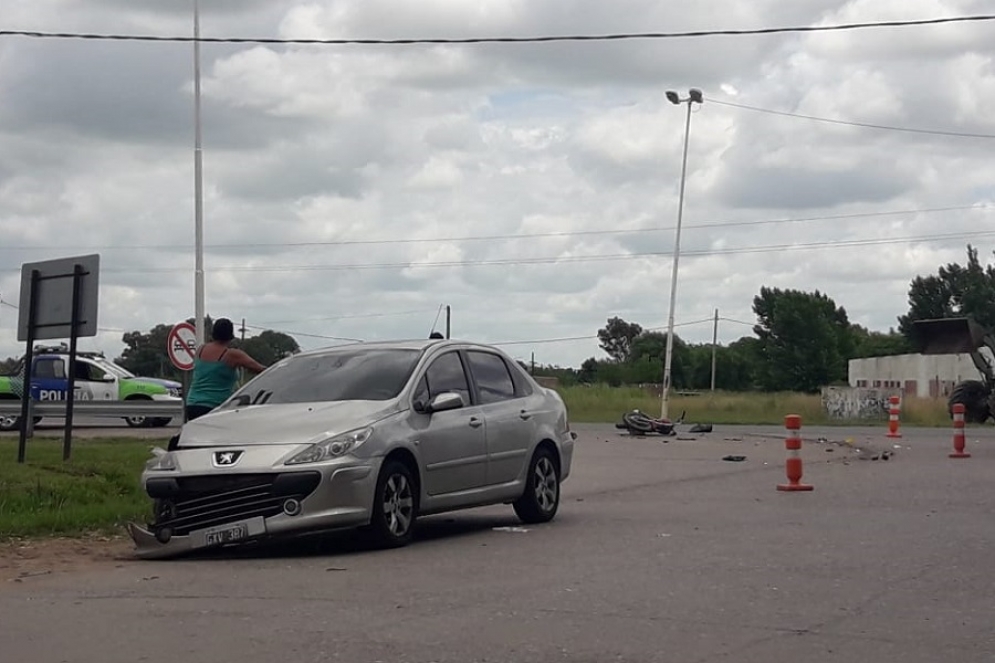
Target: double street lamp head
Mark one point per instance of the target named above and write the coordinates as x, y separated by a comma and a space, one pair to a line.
694, 94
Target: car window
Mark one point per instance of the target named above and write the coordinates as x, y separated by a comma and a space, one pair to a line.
87, 371
371, 374
492, 377
53, 369
444, 374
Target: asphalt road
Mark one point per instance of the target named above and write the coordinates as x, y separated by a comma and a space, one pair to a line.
661, 552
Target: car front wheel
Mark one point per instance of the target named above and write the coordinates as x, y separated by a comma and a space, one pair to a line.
395, 506
541, 499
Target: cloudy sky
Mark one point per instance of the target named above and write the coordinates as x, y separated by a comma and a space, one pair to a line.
350, 191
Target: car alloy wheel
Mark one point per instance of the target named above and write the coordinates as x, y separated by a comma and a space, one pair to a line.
8, 423
541, 499
546, 487
395, 506
398, 504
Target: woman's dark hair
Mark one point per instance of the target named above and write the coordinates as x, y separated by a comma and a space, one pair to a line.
223, 330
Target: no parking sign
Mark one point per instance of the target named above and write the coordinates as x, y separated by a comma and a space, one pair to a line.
181, 345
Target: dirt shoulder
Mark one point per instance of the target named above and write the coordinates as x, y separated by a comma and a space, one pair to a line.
24, 559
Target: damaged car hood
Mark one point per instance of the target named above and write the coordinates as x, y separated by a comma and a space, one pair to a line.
284, 423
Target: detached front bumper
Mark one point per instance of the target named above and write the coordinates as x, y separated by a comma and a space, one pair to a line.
196, 512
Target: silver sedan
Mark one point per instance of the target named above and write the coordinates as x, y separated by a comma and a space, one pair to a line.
367, 436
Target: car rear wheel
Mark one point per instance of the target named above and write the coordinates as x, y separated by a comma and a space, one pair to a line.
395, 506
138, 422
541, 499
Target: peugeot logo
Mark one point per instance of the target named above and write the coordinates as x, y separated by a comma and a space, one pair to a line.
226, 458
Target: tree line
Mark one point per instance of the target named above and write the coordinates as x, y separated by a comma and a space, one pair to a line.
145, 353
801, 341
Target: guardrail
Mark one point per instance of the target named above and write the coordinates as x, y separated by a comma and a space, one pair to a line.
100, 409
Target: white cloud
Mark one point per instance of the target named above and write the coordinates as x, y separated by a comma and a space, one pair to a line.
342, 183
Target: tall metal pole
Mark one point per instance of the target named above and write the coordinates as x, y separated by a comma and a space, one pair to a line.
448, 320
665, 397
198, 185
715, 342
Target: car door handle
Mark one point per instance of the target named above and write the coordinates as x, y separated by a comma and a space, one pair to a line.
475, 422
525, 414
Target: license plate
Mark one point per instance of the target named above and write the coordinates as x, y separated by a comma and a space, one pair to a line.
221, 535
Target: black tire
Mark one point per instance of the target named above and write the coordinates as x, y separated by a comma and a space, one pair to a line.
13, 422
395, 506
138, 422
160, 422
541, 498
638, 421
974, 396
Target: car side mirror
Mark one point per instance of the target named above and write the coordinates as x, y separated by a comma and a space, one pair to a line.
447, 401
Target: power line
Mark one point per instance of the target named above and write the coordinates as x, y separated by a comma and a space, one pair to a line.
935, 132
564, 339
295, 333
565, 259
474, 238
347, 317
738, 322
562, 259
490, 40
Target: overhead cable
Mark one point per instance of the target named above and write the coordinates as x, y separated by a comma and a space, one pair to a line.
36, 34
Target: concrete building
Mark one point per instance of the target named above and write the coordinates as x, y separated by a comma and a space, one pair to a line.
914, 374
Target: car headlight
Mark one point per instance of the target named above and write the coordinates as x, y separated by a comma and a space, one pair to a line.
175, 391
163, 462
333, 447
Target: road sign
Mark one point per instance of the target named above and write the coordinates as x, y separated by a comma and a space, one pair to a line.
181, 344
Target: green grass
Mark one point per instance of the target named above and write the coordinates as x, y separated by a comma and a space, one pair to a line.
603, 404
96, 491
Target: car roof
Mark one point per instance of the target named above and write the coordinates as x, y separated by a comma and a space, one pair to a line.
402, 344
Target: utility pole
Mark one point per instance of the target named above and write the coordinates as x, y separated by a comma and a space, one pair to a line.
694, 96
243, 330
448, 317
198, 186
715, 339
533, 362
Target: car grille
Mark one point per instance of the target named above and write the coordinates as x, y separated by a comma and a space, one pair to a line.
198, 502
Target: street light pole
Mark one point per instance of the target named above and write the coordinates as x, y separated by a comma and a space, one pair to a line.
198, 186
694, 95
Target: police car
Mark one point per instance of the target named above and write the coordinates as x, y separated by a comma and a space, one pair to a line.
96, 378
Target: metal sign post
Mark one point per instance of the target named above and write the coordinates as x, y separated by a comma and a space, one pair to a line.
181, 346
62, 301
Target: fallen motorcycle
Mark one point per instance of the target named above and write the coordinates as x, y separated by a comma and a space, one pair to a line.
640, 423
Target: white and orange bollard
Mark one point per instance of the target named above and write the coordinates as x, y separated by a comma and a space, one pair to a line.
959, 440
793, 465
894, 410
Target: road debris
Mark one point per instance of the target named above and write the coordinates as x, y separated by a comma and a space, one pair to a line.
734, 458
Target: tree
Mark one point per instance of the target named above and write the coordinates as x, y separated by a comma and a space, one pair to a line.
9, 365
878, 344
804, 340
270, 346
588, 371
145, 354
954, 291
616, 338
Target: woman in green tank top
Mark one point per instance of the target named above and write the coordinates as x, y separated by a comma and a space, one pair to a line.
215, 370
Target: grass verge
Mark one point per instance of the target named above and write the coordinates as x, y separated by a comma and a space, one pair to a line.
96, 491
603, 404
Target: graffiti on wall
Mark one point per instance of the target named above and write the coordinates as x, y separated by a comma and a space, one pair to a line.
857, 402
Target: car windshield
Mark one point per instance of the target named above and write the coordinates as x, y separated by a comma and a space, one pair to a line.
117, 370
346, 375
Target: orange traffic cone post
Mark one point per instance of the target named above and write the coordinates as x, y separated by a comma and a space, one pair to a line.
793, 465
959, 440
894, 409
